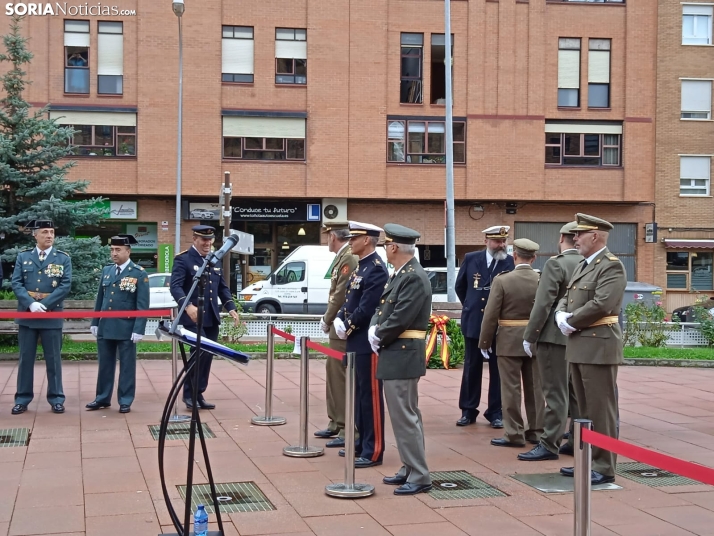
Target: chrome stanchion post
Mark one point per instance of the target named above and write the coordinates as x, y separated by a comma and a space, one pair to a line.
303, 450
268, 419
349, 490
582, 469
176, 417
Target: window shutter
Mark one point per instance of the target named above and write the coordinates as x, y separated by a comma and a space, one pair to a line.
696, 95
568, 69
237, 56
115, 119
694, 167
599, 66
264, 127
296, 50
76, 39
110, 54
689, 9
583, 128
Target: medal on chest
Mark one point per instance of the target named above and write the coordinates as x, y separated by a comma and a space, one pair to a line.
477, 277
356, 281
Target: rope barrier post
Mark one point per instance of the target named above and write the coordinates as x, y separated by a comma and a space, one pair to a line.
268, 419
349, 490
303, 450
582, 470
176, 417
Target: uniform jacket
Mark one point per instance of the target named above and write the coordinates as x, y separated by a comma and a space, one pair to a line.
53, 277
342, 268
128, 291
554, 281
472, 295
405, 304
594, 292
363, 291
512, 296
186, 264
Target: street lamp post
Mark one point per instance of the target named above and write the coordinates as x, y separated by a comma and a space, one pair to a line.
178, 7
450, 227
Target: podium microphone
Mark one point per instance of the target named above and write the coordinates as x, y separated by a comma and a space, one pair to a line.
228, 244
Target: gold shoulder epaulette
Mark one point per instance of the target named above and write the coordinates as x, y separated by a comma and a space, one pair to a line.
611, 257
182, 252
63, 252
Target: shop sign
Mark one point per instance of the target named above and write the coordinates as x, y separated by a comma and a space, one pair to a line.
248, 210
166, 258
145, 233
123, 210
204, 211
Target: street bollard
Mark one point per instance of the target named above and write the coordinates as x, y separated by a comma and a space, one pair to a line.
349, 490
268, 419
176, 417
582, 471
303, 450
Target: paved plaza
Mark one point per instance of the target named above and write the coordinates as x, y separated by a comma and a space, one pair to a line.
95, 473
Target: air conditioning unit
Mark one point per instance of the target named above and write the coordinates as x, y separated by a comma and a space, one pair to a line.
334, 210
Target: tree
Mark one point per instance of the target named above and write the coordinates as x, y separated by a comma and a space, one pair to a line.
33, 169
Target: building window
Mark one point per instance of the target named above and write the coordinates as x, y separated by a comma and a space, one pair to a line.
110, 58
412, 58
263, 138
694, 175
599, 73
696, 99
697, 24
237, 54
424, 142
100, 133
290, 56
591, 1
76, 56
568, 72
438, 68
569, 144
690, 271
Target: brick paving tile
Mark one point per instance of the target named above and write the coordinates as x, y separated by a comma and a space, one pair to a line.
651, 528
426, 529
144, 524
479, 520
348, 525
392, 510
703, 499
692, 518
561, 525
317, 503
47, 520
111, 504
281, 521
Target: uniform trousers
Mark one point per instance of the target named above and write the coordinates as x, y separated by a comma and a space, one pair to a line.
335, 395
52, 350
512, 369
369, 408
204, 371
553, 370
470, 395
109, 350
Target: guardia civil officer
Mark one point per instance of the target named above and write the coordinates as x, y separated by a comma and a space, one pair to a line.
186, 264
473, 286
352, 324
552, 365
340, 271
398, 334
506, 317
588, 315
41, 281
124, 286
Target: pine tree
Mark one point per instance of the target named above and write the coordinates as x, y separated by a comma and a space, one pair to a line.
33, 169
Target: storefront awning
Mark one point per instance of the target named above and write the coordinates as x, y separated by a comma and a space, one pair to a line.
689, 244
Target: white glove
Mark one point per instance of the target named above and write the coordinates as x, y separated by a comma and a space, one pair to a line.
340, 329
324, 327
93, 330
485, 355
527, 348
373, 339
135, 337
561, 318
37, 307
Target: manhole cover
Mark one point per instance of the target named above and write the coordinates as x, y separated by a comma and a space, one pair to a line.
232, 497
179, 430
14, 437
452, 485
652, 476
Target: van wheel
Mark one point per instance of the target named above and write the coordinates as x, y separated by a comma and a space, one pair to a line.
267, 308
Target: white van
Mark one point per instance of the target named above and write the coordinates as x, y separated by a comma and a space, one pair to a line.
301, 284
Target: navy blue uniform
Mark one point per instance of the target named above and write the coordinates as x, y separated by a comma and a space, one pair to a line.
473, 286
186, 264
363, 293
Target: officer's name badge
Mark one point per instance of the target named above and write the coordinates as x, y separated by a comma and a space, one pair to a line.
476, 279
54, 270
128, 284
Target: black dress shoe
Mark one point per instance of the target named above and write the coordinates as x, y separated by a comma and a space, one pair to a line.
124, 408
537, 454
366, 462
188, 402
502, 442
93, 406
496, 423
326, 433
338, 442
203, 404
412, 489
567, 471
57, 408
17, 409
597, 478
467, 417
395, 480
566, 449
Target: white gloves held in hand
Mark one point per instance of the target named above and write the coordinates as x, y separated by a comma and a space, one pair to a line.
373, 339
324, 327
135, 337
561, 318
527, 348
37, 307
485, 355
93, 330
340, 329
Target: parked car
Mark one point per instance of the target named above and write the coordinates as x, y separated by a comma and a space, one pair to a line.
686, 314
159, 291
437, 278
202, 214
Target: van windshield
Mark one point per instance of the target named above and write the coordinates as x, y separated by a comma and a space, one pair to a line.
291, 272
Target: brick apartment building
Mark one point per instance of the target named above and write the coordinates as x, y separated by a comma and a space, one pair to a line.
685, 146
338, 112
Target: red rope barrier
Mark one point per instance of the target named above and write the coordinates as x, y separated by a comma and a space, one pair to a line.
700, 473
283, 334
329, 352
152, 313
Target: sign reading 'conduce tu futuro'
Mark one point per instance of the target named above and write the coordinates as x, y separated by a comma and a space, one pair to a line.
275, 211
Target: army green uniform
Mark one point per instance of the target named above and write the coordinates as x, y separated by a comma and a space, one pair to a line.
594, 297
550, 352
49, 283
344, 264
508, 308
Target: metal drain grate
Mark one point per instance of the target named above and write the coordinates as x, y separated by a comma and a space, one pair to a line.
179, 430
233, 497
652, 476
14, 437
452, 485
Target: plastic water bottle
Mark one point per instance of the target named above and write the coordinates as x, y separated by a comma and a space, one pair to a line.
200, 522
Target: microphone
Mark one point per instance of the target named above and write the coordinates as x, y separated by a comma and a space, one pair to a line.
229, 243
